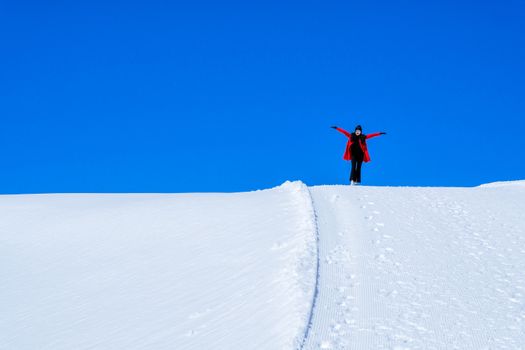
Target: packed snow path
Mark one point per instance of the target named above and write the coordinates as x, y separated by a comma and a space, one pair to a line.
420, 268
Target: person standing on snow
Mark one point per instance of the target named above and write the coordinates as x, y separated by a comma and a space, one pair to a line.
356, 150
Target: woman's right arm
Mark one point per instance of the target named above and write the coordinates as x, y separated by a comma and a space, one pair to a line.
342, 131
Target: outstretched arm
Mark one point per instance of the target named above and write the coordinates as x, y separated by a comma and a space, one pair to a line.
369, 136
342, 131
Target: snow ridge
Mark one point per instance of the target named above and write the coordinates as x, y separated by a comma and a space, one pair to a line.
317, 264
307, 270
500, 184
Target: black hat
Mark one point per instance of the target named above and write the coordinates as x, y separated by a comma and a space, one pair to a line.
359, 128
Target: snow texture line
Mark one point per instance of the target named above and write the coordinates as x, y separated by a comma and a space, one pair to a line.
317, 267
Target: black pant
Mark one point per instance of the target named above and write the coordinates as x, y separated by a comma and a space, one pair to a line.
355, 175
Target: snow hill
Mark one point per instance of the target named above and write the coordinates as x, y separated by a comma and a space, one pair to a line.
327, 267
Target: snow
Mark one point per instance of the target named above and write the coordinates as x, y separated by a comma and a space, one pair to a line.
187, 271
504, 184
326, 267
420, 268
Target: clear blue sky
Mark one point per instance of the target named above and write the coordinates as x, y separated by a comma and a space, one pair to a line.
162, 96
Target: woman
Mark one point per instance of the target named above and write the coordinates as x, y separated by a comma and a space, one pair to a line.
356, 150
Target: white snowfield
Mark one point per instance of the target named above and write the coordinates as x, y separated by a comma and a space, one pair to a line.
327, 267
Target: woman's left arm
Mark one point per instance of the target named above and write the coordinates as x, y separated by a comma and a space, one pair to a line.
369, 136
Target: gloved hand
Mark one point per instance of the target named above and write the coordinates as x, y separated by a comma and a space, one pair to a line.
382, 133
334, 127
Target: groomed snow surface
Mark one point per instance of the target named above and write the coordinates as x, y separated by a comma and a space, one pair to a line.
327, 267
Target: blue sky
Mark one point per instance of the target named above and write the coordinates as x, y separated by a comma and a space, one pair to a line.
163, 96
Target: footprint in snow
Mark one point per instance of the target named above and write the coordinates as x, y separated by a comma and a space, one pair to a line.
380, 257
336, 327
325, 345
350, 321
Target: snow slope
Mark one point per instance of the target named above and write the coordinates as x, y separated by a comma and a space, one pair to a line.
195, 271
327, 267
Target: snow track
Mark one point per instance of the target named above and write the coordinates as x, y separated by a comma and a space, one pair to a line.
331, 302
420, 268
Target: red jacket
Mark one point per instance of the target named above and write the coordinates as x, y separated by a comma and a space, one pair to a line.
348, 154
